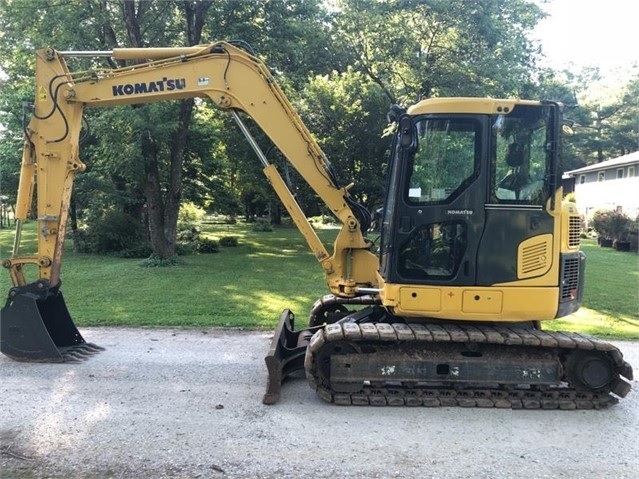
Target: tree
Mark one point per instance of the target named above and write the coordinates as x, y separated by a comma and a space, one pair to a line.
292, 38
415, 49
341, 68
137, 24
606, 118
347, 113
163, 204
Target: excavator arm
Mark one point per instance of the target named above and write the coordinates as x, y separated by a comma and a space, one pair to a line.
233, 80
36, 324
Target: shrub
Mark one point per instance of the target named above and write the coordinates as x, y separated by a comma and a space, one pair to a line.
207, 245
185, 248
142, 250
600, 223
189, 216
612, 225
187, 241
228, 241
156, 262
114, 232
188, 235
262, 225
633, 236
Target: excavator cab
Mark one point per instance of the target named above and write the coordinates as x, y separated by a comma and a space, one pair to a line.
477, 248
466, 189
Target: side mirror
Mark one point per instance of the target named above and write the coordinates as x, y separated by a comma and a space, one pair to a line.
394, 113
406, 132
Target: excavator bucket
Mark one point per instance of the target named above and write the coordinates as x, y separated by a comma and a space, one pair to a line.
286, 354
35, 326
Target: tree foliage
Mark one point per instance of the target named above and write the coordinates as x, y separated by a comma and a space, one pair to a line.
342, 67
347, 113
606, 118
419, 49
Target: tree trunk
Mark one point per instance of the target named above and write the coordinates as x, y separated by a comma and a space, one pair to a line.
174, 193
195, 13
163, 211
154, 204
78, 245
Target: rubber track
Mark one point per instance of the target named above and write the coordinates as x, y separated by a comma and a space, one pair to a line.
515, 398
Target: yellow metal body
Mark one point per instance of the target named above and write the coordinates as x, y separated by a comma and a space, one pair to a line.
533, 297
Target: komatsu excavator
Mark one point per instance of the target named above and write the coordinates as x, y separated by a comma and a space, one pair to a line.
476, 246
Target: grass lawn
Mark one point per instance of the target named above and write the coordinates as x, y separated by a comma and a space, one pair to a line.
244, 286
611, 299
249, 285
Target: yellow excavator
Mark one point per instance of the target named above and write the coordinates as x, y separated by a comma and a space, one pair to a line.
477, 247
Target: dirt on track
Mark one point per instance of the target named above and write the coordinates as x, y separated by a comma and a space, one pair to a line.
187, 404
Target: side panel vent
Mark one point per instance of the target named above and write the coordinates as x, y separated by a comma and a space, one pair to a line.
574, 231
534, 256
569, 278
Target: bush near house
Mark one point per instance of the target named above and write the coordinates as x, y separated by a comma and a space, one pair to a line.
615, 229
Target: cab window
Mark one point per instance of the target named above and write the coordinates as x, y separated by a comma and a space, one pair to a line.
445, 160
520, 159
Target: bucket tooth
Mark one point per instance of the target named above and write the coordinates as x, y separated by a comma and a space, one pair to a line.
71, 358
78, 354
86, 350
94, 348
35, 325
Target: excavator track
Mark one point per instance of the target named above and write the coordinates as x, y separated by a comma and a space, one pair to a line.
403, 364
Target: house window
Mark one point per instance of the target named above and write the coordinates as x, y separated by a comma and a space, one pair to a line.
582, 179
620, 173
601, 176
631, 171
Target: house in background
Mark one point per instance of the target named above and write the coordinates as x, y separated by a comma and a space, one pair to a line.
609, 185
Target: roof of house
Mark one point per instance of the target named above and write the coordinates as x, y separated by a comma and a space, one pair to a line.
604, 165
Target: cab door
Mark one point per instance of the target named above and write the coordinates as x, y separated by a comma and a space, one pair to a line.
518, 232
434, 215
468, 198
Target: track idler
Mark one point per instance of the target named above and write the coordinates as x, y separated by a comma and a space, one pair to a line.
35, 326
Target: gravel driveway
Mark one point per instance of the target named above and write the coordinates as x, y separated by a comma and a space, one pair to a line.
187, 404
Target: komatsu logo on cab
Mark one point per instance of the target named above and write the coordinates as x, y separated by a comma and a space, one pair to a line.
165, 84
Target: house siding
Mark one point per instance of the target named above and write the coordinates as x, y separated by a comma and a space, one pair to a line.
618, 194
613, 186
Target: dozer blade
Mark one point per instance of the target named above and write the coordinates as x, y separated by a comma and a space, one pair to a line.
286, 354
35, 326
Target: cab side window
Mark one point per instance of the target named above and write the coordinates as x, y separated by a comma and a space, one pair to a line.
520, 166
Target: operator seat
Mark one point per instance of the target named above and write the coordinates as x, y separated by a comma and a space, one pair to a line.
517, 177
